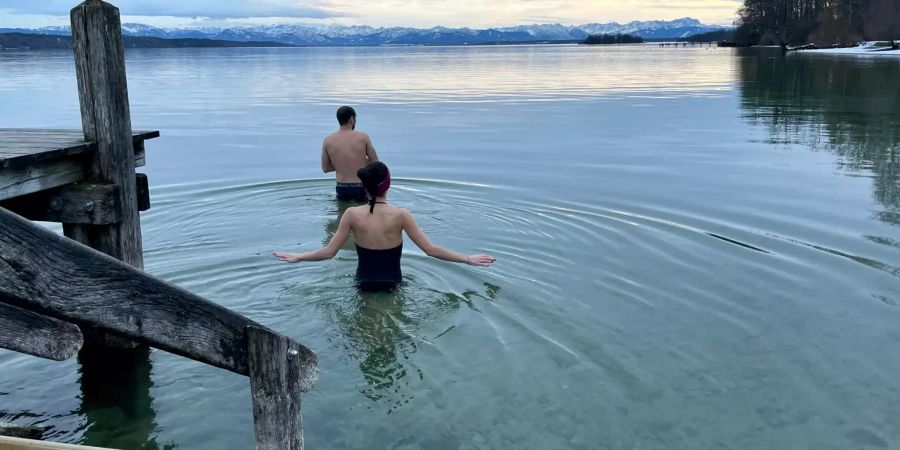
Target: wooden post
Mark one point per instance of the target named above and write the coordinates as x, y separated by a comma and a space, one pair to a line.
275, 374
105, 119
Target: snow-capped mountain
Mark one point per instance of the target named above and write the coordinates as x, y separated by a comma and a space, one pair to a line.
365, 35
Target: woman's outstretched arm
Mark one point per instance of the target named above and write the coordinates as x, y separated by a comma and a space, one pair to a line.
421, 239
326, 252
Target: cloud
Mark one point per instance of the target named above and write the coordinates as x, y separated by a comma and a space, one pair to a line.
218, 9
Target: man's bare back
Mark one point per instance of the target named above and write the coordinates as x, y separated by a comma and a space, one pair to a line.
346, 151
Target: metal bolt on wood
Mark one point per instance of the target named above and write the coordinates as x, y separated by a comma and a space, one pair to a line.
56, 203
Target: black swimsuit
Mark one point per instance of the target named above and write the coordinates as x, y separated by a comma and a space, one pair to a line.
378, 270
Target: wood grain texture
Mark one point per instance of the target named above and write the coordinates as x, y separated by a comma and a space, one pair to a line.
13, 443
20, 431
81, 203
28, 332
275, 371
19, 181
24, 172
57, 277
23, 147
106, 120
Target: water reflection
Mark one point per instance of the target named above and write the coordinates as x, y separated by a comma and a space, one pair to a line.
381, 330
115, 399
447, 74
331, 226
848, 106
376, 333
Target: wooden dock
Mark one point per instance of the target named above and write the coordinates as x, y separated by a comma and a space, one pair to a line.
44, 177
86, 291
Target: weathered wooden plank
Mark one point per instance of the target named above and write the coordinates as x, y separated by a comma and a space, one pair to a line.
12, 443
143, 191
38, 130
24, 173
29, 156
30, 133
76, 133
275, 372
21, 431
81, 203
15, 182
21, 155
60, 278
33, 142
106, 120
8, 149
19, 181
28, 332
140, 155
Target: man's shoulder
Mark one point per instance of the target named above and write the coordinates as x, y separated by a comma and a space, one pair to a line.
330, 137
361, 135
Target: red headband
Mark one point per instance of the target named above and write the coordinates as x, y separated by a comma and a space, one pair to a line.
384, 185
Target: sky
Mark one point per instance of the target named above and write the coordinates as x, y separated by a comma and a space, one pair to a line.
408, 13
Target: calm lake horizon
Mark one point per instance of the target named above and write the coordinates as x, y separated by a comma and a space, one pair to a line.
696, 247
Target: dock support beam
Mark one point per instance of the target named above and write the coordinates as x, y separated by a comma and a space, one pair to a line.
105, 119
275, 384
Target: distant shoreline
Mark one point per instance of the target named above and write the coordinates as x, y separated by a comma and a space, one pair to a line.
28, 41
35, 41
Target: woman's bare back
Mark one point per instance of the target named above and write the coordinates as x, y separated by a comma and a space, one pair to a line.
382, 229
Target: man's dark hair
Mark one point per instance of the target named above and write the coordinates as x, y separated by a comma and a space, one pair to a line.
344, 113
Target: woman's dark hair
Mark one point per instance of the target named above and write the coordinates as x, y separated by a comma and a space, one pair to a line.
372, 175
344, 113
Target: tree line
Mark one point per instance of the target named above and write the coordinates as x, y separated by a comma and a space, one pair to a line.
822, 22
613, 39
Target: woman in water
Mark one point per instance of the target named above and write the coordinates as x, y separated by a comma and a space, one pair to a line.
378, 228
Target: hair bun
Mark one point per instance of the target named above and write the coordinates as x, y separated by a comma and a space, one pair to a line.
372, 176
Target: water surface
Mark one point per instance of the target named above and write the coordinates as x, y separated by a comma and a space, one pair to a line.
697, 247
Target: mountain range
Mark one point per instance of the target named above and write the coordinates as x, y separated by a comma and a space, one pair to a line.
365, 35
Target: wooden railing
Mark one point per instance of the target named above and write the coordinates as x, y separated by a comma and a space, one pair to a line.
50, 285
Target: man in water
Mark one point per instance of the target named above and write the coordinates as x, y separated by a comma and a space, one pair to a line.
346, 151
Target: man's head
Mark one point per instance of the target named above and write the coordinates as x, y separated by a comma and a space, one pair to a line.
346, 116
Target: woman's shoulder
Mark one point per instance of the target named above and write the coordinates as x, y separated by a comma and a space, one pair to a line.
355, 210
398, 210
389, 209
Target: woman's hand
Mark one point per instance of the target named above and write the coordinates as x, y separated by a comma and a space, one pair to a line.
288, 257
480, 260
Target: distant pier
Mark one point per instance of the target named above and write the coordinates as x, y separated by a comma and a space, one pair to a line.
684, 44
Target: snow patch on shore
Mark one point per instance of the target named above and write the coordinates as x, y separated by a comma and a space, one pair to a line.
866, 48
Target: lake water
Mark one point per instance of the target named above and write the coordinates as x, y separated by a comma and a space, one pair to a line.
697, 247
